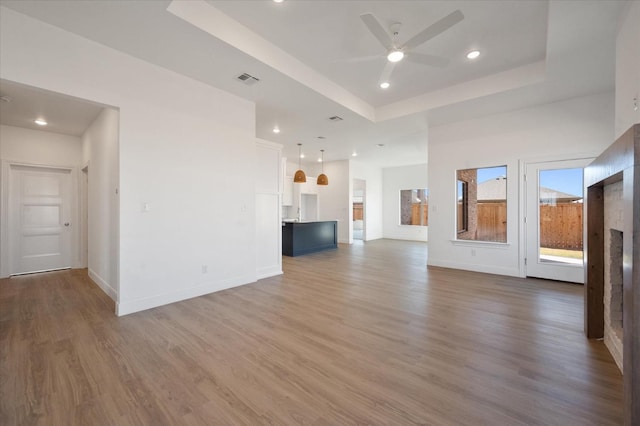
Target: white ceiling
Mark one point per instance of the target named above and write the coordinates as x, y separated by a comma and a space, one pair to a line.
330, 37
64, 114
306, 56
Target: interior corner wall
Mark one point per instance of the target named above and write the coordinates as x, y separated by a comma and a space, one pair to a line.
373, 198
335, 199
395, 179
628, 70
561, 130
36, 147
186, 215
100, 153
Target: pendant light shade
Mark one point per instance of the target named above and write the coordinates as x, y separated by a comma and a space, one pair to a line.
299, 177
322, 179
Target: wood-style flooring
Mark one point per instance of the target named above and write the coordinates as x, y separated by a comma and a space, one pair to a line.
365, 334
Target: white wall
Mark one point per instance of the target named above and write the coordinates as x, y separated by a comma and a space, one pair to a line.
394, 180
100, 153
335, 198
373, 198
561, 130
37, 147
628, 69
268, 182
181, 146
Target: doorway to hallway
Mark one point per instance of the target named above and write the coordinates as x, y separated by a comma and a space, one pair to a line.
358, 206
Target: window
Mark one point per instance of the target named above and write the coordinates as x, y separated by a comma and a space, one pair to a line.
463, 200
481, 198
414, 207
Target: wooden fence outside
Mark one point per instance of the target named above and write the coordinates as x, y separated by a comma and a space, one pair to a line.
415, 214
560, 224
357, 211
492, 222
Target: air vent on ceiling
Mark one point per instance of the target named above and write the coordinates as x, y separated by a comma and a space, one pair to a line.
335, 118
248, 79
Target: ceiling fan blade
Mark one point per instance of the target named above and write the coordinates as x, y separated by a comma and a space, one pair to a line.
434, 29
378, 31
431, 60
386, 72
362, 59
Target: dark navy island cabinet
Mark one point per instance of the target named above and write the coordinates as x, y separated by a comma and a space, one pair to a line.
308, 237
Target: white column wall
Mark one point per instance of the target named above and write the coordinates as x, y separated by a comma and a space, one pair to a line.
100, 154
268, 182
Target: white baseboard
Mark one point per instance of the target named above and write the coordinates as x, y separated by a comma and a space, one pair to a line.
487, 269
406, 238
125, 307
104, 286
270, 271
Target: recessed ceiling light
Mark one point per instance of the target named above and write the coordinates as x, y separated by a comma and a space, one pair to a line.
278, 1
319, 160
40, 122
301, 155
276, 130
384, 85
320, 137
380, 145
355, 154
395, 55
473, 54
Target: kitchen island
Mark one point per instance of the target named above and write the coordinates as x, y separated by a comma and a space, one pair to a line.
300, 238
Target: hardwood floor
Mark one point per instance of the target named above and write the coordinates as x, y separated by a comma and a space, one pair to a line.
365, 334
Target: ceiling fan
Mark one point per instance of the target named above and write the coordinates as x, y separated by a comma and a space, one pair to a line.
396, 52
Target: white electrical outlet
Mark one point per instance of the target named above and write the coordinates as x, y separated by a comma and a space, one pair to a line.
473, 252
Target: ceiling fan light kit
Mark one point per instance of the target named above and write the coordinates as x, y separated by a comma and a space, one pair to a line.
397, 52
395, 56
473, 54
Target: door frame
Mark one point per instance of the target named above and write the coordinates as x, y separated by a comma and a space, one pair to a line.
522, 198
364, 207
5, 185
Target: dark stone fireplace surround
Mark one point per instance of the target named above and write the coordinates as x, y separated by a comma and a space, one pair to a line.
619, 162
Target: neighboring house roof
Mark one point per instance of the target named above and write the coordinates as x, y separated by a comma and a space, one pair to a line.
496, 190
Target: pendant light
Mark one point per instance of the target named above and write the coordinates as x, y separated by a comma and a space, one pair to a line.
299, 177
322, 179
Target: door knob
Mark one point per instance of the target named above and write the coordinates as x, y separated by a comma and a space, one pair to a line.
66, 224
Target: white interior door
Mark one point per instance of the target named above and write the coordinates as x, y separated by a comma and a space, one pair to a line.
39, 219
554, 220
